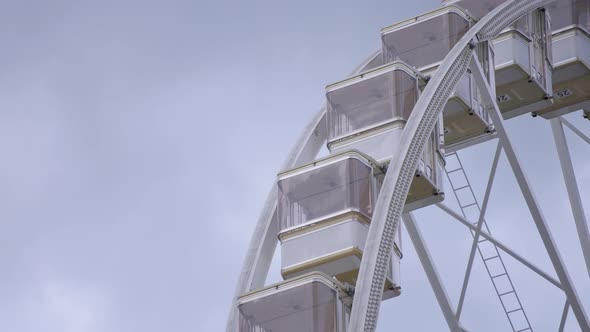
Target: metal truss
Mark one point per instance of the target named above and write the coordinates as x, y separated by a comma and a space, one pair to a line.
566, 308
431, 273
502, 246
575, 130
480, 223
531, 201
453, 317
389, 205
569, 177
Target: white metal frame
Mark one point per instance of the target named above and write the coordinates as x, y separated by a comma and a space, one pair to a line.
478, 230
397, 180
569, 177
531, 201
431, 273
502, 246
389, 205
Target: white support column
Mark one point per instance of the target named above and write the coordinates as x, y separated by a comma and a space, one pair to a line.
564, 317
569, 177
480, 223
500, 245
531, 201
575, 130
430, 270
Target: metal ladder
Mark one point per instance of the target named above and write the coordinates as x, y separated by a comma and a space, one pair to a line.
488, 251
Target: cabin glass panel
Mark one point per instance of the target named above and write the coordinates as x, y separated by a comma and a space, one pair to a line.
370, 102
325, 191
479, 8
311, 307
427, 42
523, 25
567, 13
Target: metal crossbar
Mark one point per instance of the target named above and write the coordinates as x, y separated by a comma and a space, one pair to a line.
500, 270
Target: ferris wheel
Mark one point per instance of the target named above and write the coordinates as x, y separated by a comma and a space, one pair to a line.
396, 128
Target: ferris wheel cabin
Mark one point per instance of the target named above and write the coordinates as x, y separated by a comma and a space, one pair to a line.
571, 57
522, 58
367, 113
423, 42
324, 212
540, 64
313, 303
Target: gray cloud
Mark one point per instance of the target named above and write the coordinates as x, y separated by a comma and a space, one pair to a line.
139, 139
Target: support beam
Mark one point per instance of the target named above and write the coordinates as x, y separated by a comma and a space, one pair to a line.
566, 308
396, 184
501, 246
480, 223
430, 270
569, 177
575, 130
531, 201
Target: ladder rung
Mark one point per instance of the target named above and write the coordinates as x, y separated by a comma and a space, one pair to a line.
515, 310
454, 170
466, 206
482, 240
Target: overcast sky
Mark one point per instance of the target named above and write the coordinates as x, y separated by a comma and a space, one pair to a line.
139, 139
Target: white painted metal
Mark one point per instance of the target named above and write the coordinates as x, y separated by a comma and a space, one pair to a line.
576, 130
501, 246
533, 206
522, 59
423, 41
397, 180
384, 228
471, 142
571, 56
285, 306
368, 112
569, 177
479, 226
312, 251
566, 308
523, 73
488, 251
431, 273
324, 211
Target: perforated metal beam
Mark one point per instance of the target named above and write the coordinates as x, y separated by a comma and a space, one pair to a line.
389, 205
